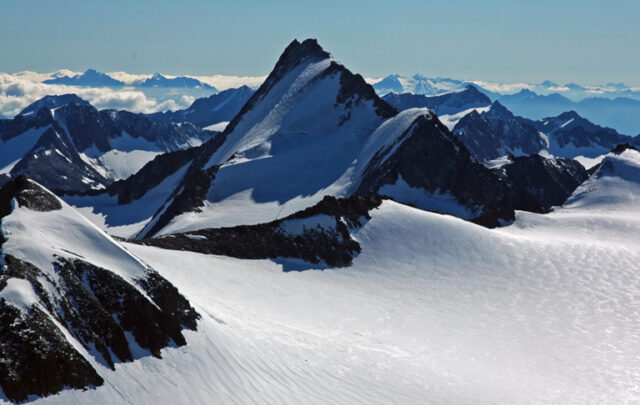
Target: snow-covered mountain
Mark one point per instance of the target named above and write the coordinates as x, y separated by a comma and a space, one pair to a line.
73, 146
73, 302
312, 130
497, 132
620, 113
218, 291
93, 78
158, 80
218, 108
571, 135
52, 102
445, 104
417, 84
432, 308
90, 78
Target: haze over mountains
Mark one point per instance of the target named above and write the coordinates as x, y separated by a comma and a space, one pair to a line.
613, 104
147, 252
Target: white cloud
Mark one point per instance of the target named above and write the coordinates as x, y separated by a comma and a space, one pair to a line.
222, 82
559, 88
128, 78
19, 90
502, 87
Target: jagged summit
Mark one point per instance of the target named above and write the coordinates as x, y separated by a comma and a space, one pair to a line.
28, 194
498, 110
444, 104
52, 102
297, 51
90, 77
73, 302
569, 115
622, 147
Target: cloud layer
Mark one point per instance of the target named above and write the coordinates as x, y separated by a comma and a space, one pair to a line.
18, 90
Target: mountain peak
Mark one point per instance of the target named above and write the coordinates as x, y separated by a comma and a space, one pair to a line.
29, 194
572, 114
622, 147
470, 88
526, 92
53, 102
497, 110
297, 51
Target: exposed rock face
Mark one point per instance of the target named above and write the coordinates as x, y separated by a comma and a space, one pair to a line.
570, 132
52, 102
36, 357
550, 181
318, 235
191, 193
150, 175
28, 194
74, 302
449, 103
497, 132
292, 56
219, 107
65, 149
354, 90
429, 157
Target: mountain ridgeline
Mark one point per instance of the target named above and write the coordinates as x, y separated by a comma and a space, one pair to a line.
279, 156
302, 166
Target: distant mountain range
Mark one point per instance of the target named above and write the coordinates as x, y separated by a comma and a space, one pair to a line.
219, 107
498, 132
614, 104
315, 170
444, 104
278, 156
92, 78
66, 144
620, 113
418, 84
421, 84
158, 80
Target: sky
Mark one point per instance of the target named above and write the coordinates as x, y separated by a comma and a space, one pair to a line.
588, 42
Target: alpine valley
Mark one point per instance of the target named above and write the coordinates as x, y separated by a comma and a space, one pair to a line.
319, 239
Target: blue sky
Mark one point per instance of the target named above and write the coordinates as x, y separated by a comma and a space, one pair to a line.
584, 41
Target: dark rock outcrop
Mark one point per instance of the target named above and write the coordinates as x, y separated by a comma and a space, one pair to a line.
56, 159
318, 235
28, 194
52, 102
549, 180
448, 103
36, 357
497, 132
98, 308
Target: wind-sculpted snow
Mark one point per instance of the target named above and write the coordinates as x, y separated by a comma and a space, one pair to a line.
434, 310
73, 302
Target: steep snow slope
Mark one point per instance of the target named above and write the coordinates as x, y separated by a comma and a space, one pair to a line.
295, 141
315, 129
434, 309
67, 144
73, 302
